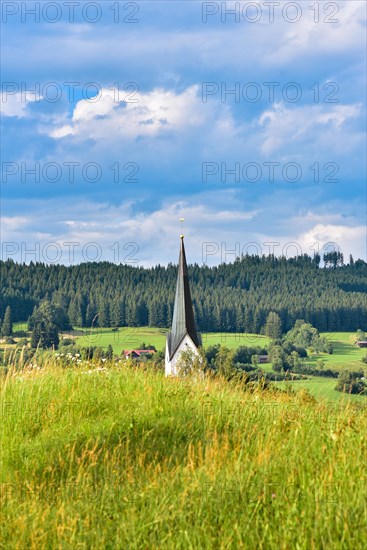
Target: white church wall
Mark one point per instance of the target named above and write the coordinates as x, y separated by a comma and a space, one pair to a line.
171, 366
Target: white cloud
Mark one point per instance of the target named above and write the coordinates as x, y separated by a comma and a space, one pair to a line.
197, 44
222, 231
347, 239
155, 234
15, 105
144, 114
282, 125
320, 237
62, 131
209, 128
13, 223
337, 27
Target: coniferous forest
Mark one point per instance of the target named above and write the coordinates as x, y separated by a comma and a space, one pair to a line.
234, 297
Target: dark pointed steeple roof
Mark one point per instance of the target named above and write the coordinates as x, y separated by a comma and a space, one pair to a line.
183, 321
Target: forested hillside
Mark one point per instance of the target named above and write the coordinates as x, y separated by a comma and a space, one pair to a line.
233, 297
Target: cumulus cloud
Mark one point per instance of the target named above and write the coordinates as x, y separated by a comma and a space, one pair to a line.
331, 232
345, 238
213, 127
155, 234
111, 113
16, 104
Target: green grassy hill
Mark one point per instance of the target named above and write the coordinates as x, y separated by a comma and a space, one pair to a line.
124, 458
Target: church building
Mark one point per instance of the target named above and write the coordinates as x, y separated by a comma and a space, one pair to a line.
183, 334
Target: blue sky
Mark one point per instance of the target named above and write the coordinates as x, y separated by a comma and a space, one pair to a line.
156, 137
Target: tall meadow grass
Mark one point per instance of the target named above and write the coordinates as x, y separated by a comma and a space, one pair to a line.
124, 458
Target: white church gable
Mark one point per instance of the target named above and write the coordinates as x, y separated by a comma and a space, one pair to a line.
171, 365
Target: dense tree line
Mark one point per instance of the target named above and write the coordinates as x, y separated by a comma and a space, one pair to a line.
233, 297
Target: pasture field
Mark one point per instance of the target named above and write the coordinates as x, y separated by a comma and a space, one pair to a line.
131, 337
20, 325
346, 355
321, 387
124, 338
125, 458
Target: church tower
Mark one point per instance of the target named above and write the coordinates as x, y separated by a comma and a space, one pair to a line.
183, 334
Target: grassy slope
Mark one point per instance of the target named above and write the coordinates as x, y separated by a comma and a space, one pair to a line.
346, 355
128, 459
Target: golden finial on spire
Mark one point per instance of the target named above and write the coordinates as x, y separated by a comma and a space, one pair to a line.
181, 221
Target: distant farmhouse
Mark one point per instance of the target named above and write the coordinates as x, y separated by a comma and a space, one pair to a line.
183, 334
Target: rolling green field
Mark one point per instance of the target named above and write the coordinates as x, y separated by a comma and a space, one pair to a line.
125, 458
346, 355
125, 338
321, 387
131, 337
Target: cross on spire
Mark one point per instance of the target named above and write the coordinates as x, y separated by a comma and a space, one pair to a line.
181, 222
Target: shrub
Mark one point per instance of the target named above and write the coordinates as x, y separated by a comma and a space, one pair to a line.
245, 367
21, 333
72, 349
351, 382
280, 376
67, 342
312, 371
143, 345
211, 353
305, 335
